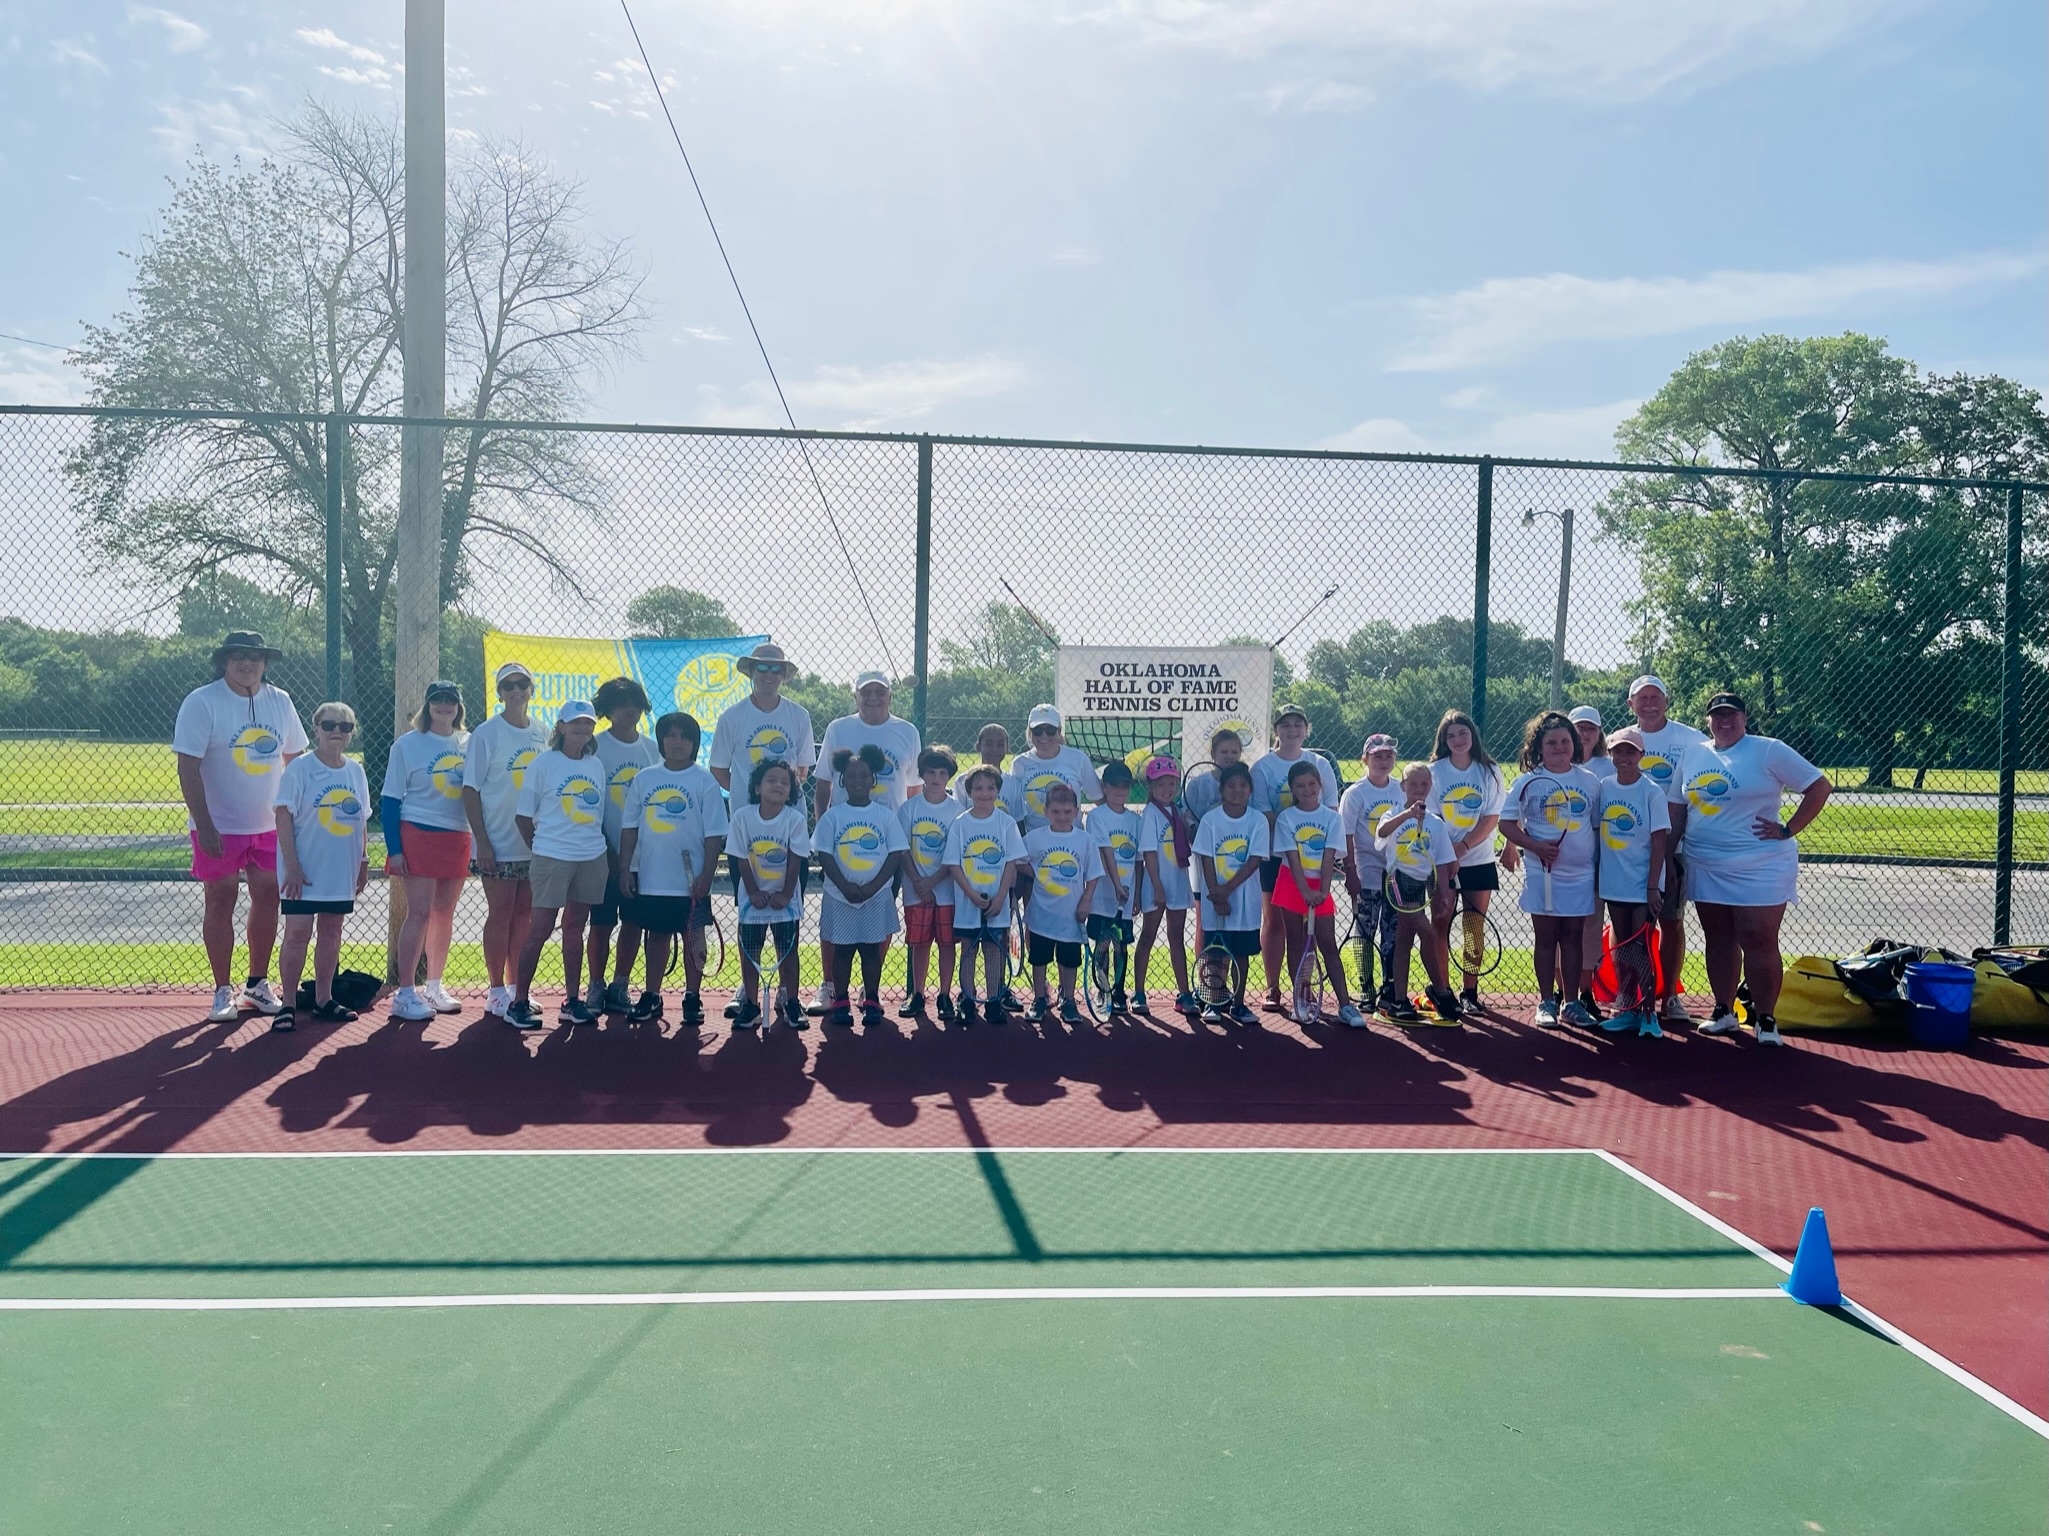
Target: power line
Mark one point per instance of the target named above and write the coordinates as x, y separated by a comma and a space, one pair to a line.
31, 341
803, 446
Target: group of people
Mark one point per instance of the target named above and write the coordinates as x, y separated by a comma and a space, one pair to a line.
606, 829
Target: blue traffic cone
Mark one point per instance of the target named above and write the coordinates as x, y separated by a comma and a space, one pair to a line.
1813, 1281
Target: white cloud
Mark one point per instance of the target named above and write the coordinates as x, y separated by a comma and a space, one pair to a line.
348, 74
706, 333
1573, 432
1313, 96
217, 125
857, 399
1618, 50
627, 89
1380, 434
324, 37
1471, 398
182, 35
1510, 317
67, 50
37, 376
1073, 256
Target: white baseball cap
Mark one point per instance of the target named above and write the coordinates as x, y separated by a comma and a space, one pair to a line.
1043, 714
512, 669
1586, 714
1648, 680
576, 709
872, 678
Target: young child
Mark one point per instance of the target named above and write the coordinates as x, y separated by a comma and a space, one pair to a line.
1421, 860
1309, 839
1065, 878
767, 847
670, 838
323, 816
1549, 815
1271, 777
983, 850
861, 847
1374, 919
1201, 793
1115, 827
1468, 788
1635, 828
1164, 835
1593, 756
928, 894
992, 746
1231, 843
624, 751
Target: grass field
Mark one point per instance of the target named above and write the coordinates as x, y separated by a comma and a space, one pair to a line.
1018, 1341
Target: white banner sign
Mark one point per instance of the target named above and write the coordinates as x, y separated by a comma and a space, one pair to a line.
1205, 688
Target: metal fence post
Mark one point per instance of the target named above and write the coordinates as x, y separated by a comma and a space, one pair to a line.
921, 622
2009, 724
337, 446
1483, 563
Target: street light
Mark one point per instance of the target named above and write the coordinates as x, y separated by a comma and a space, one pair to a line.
1564, 594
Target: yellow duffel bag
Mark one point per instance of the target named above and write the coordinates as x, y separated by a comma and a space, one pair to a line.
2000, 1002
1814, 997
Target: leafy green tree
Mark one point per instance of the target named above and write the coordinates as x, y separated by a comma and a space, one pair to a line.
1003, 637
677, 613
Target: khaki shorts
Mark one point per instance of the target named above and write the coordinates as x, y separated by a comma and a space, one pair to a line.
557, 882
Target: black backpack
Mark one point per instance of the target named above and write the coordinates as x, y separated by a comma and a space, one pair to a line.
355, 990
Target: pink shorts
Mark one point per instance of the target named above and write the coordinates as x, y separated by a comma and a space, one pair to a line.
239, 851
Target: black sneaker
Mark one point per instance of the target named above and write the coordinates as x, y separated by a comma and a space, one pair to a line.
1401, 1011
693, 1010
1042, 1009
872, 1016
840, 1015
913, 1006
522, 1014
794, 1015
282, 1022
332, 1012
1448, 1006
944, 1008
994, 1010
746, 1015
1470, 1000
1070, 1012
1592, 1006
648, 1008
576, 1011
964, 1010
1119, 1003
733, 1010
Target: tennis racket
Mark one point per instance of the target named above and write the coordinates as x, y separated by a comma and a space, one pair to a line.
1098, 977
1633, 962
1312, 985
1203, 771
1213, 974
1533, 792
1485, 958
1391, 893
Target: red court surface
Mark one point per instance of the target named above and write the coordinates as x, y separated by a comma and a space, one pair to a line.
1932, 1166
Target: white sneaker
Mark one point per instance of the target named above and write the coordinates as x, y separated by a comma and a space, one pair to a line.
1351, 1017
227, 1006
1725, 1023
1672, 1011
1547, 1013
440, 999
261, 998
410, 1006
497, 1002
1768, 1032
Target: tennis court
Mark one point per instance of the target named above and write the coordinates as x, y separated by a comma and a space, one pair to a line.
947, 1339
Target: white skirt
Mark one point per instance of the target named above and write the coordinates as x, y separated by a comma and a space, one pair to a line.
840, 922
1749, 883
1571, 896
1174, 878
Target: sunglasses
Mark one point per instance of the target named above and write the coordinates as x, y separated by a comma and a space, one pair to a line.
516, 685
772, 668
339, 727
1045, 730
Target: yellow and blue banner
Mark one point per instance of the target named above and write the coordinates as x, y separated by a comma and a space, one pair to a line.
698, 677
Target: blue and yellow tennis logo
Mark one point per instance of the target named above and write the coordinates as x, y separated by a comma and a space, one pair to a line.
1123, 849
666, 807
1231, 855
1566, 808
928, 842
982, 858
446, 774
1310, 842
519, 762
1461, 806
860, 848
1167, 838
257, 749
1708, 791
770, 858
1658, 768
1035, 789
1412, 848
1618, 826
1059, 872
707, 684
771, 741
339, 811
622, 780
582, 800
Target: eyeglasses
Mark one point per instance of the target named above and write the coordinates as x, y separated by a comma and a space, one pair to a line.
339, 727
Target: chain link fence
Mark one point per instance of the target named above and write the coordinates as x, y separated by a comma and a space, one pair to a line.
1882, 626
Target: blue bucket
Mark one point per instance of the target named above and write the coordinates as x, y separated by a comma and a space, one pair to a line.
1941, 995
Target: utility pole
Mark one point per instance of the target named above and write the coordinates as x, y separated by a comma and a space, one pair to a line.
1564, 599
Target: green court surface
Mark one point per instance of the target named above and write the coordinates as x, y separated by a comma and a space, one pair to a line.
956, 1341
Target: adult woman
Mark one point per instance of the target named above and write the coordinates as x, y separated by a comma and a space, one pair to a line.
323, 821
1742, 863
561, 815
494, 767
1466, 785
427, 845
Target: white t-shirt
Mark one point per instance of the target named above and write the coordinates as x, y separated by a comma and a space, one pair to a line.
1317, 837
1270, 791
900, 746
1600, 767
1418, 852
674, 810
564, 797
1558, 808
925, 825
1118, 831
1663, 748
769, 843
494, 764
241, 743
623, 760
1360, 809
1009, 797
1725, 793
979, 846
1627, 815
1229, 841
1036, 775
1465, 797
1156, 835
330, 810
1064, 865
425, 774
746, 733
860, 839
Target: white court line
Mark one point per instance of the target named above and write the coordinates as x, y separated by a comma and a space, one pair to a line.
1899, 1336
996, 1293
952, 1151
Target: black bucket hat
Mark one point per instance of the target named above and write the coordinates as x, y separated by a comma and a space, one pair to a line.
245, 640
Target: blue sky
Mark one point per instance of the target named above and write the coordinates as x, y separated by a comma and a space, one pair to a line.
1462, 224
